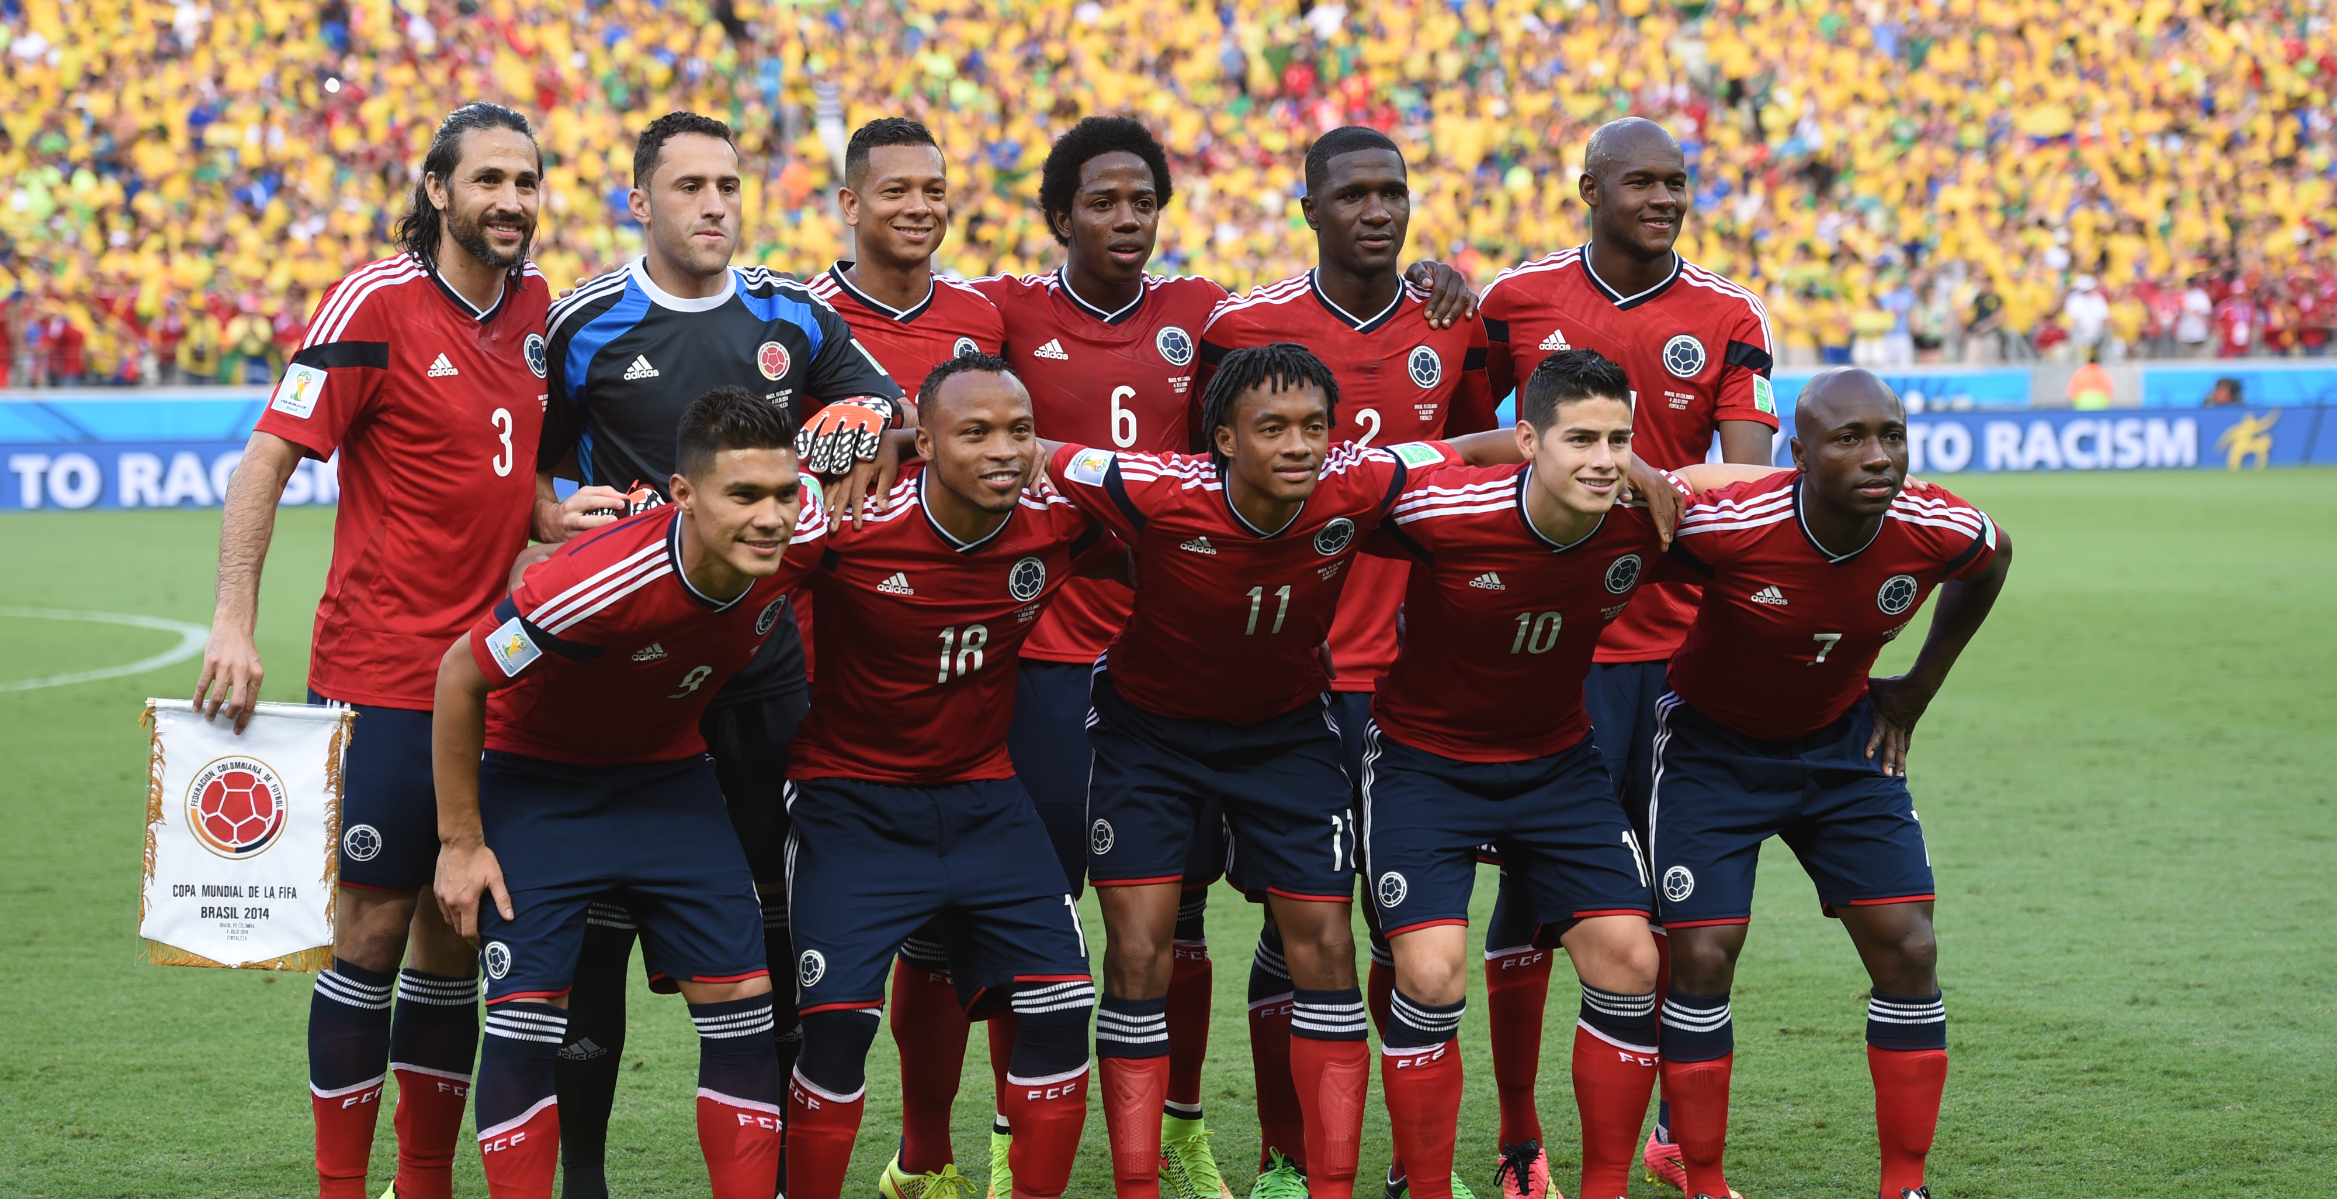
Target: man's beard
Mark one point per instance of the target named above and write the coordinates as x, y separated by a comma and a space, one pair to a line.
473, 237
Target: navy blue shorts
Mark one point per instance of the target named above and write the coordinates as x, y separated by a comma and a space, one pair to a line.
389, 804
1620, 699
1052, 758
1554, 819
1287, 803
869, 863
749, 741
1718, 794
653, 837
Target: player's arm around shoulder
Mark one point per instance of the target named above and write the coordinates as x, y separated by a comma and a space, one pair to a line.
1975, 577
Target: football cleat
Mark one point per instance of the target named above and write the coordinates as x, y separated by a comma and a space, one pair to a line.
1461, 1189
1921, 1192
1399, 1186
1524, 1174
945, 1183
1001, 1170
1188, 1168
1282, 1181
1662, 1159
392, 1192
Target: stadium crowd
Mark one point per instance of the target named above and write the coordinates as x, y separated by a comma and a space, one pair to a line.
1945, 180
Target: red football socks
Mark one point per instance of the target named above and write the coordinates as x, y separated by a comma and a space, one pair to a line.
1002, 1032
1423, 1092
1611, 1086
344, 1138
1134, 1088
741, 1142
1047, 1119
820, 1132
1188, 1024
1517, 986
1698, 1093
1379, 995
429, 1117
1331, 1077
931, 1030
1907, 1086
1280, 1128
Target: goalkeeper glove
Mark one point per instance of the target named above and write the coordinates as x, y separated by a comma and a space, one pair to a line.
844, 433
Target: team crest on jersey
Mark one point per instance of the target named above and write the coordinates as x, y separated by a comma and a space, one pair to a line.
1896, 595
769, 616
771, 359
498, 959
1335, 536
1175, 345
1026, 580
1425, 367
811, 967
1392, 889
362, 843
1099, 837
1678, 883
1623, 573
533, 350
964, 347
235, 806
1683, 355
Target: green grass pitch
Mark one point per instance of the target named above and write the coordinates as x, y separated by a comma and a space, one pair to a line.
2127, 785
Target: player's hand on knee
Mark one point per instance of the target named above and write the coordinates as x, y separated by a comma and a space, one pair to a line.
1450, 298
845, 433
231, 676
1897, 704
465, 873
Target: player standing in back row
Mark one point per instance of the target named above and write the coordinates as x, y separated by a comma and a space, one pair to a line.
1697, 350
1403, 376
425, 372
629, 349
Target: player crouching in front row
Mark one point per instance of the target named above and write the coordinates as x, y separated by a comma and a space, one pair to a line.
583, 690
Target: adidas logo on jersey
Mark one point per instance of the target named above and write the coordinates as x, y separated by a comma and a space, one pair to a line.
1555, 341
442, 368
1199, 545
896, 585
1488, 581
649, 653
1769, 595
640, 369
1053, 349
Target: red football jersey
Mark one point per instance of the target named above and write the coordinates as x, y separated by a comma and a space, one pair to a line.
1500, 621
918, 634
1122, 379
1399, 380
615, 653
435, 408
1228, 617
1786, 632
1697, 350
953, 319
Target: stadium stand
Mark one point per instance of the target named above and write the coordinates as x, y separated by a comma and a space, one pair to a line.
1945, 180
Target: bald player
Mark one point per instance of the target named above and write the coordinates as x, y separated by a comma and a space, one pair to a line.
1697, 351
1772, 726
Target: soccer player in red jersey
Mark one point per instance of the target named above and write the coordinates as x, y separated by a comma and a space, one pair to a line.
424, 372
570, 766
1215, 692
924, 605
896, 196
1479, 737
1697, 349
1773, 727
1403, 376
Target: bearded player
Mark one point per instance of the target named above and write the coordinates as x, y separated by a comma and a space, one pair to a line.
425, 373
1772, 727
1478, 737
1697, 350
1215, 693
571, 767
629, 349
928, 826
1403, 376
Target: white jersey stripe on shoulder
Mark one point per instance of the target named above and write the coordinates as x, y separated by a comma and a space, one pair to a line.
1543, 265
1501, 505
591, 599
351, 284
340, 325
585, 293
662, 569
1759, 315
548, 607
1750, 522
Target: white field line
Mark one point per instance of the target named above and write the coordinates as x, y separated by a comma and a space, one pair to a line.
191, 639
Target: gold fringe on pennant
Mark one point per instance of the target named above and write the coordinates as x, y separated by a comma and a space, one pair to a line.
335, 754
153, 801
307, 961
